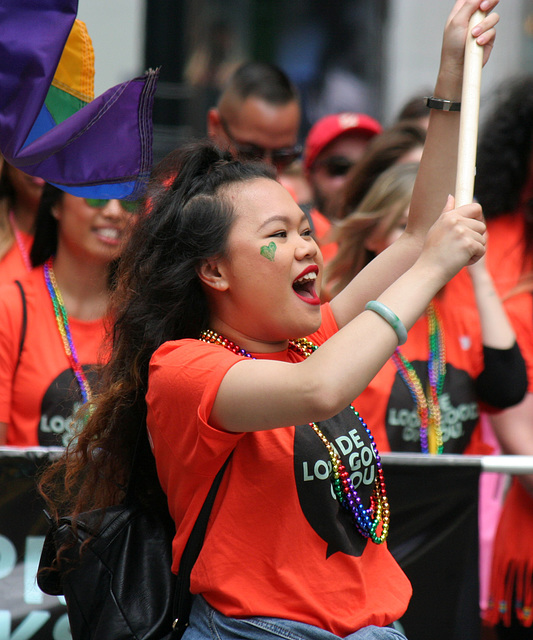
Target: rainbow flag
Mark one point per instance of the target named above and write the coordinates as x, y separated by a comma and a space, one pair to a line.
51, 126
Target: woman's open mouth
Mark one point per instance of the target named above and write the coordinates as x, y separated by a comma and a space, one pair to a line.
304, 285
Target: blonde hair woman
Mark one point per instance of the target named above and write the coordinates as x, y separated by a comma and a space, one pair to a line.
379, 220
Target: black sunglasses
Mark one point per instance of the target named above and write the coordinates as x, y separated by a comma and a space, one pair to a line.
247, 152
336, 166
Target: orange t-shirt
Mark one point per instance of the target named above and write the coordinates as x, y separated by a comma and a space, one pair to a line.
505, 250
504, 258
12, 265
39, 396
278, 542
388, 407
519, 310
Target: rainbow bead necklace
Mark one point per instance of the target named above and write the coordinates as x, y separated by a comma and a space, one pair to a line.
20, 241
368, 520
427, 404
64, 329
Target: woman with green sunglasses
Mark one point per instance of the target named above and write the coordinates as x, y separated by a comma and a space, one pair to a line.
53, 334
131, 206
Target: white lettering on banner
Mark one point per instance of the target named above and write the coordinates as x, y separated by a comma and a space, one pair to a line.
62, 628
8, 557
34, 546
32, 624
29, 593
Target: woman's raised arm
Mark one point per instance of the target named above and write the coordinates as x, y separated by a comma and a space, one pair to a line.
438, 166
276, 394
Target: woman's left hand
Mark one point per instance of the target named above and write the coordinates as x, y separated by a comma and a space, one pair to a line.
456, 30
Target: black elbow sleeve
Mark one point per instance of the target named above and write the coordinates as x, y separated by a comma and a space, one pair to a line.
503, 382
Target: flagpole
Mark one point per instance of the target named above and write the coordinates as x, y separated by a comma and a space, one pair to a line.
468, 127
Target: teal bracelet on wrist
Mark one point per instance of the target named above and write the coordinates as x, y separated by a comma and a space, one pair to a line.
389, 316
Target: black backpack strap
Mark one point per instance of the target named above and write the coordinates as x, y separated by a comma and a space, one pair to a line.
182, 596
24, 320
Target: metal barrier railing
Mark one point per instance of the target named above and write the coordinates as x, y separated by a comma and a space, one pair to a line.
513, 464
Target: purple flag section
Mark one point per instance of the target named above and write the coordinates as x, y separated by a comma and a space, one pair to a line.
104, 150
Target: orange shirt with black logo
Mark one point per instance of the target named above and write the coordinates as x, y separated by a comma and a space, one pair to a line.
278, 543
388, 406
38, 392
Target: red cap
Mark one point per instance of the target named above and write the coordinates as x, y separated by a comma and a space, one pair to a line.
331, 127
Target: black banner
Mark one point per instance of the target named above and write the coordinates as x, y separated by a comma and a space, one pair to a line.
26, 613
434, 536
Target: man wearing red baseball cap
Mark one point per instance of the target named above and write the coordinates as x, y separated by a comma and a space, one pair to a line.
333, 146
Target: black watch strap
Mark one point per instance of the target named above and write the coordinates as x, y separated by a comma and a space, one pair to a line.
442, 105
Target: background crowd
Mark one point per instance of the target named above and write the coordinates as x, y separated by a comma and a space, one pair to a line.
463, 381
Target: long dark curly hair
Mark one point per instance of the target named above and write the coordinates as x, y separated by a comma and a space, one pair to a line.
7, 190
505, 148
158, 297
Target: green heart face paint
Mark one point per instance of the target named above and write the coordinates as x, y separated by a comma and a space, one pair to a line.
269, 251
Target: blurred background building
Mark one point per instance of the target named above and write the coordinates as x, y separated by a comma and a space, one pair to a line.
357, 55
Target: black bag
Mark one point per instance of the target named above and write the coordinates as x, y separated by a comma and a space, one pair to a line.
122, 586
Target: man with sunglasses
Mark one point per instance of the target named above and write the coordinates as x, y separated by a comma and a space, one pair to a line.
257, 116
333, 147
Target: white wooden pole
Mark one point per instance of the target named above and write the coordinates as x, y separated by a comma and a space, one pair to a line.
468, 131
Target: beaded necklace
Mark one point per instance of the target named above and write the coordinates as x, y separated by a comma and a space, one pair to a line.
20, 241
64, 329
366, 520
427, 404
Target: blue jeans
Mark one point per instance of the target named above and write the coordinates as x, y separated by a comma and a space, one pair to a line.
208, 624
